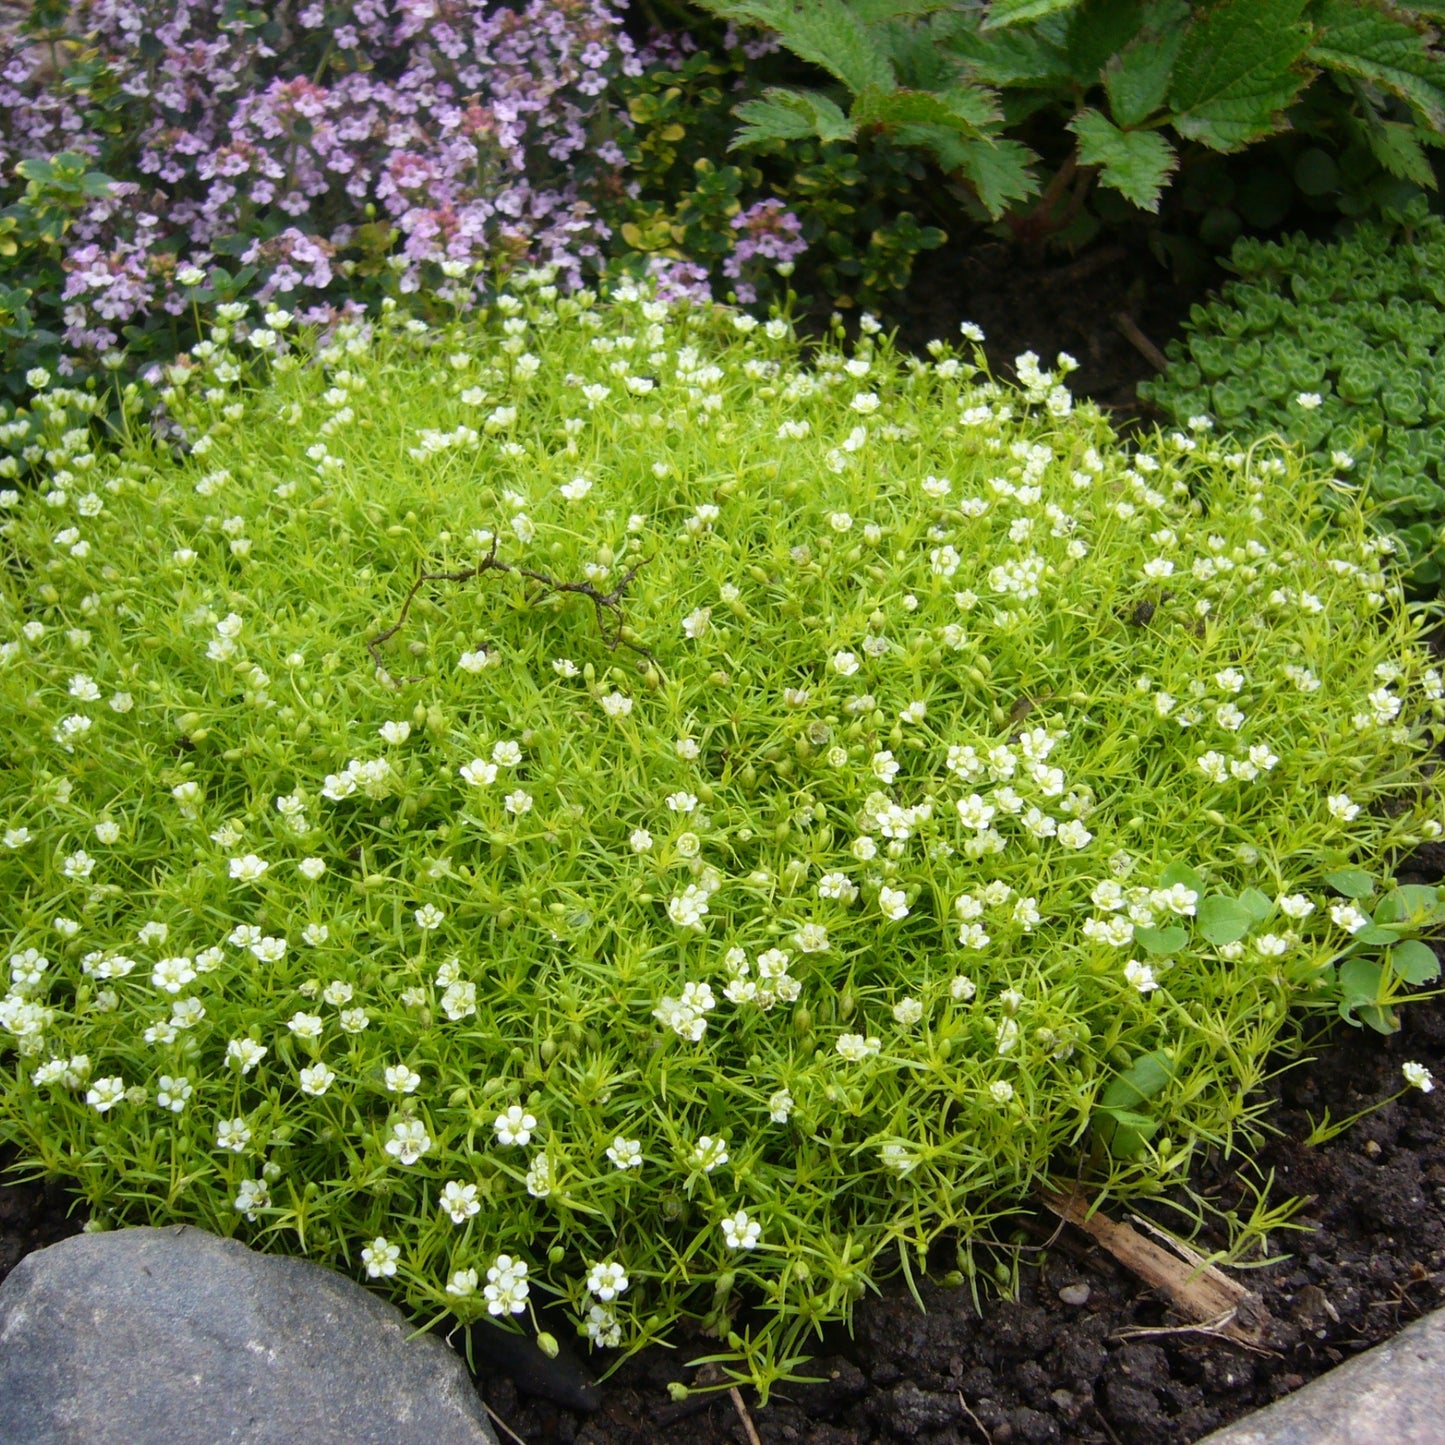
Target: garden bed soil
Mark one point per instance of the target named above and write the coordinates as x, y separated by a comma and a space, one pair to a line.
1035, 1368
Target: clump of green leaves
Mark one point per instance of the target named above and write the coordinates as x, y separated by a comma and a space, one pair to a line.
978, 86
597, 806
1338, 347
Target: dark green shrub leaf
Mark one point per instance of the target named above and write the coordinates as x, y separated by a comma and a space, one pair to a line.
1001, 172
1137, 78
1003, 13
1134, 163
790, 115
1238, 69
1365, 42
826, 33
968, 111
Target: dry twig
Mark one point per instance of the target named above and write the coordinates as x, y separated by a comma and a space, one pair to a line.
740, 1405
502, 1425
605, 604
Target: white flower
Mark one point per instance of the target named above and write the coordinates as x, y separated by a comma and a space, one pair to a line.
395, 732
854, 1047
607, 1280
409, 1141
893, 903
316, 1079
845, 664
1001, 1091
1418, 1076
506, 1290
245, 1054
1140, 976
1295, 905
399, 1079
709, 1154
514, 1126
474, 661
962, 988
641, 840
696, 622
380, 1258
429, 917
602, 1327
1073, 834
253, 1195
105, 1094
478, 773
233, 1134
305, 1025
459, 1201
462, 1283
740, 1232
173, 1093
1309, 401
249, 868
517, 803
1342, 807
780, 1106
1348, 917
625, 1153
908, 1011
616, 705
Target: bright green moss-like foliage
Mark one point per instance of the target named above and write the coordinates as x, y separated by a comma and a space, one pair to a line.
1341, 348
601, 807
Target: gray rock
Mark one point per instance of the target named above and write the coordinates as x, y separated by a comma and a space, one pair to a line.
1394, 1393
179, 1337
1075, 1294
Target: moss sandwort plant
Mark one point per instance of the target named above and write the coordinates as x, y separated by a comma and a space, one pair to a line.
601, 808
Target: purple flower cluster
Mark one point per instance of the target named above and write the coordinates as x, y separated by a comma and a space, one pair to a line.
477, 132
767, 232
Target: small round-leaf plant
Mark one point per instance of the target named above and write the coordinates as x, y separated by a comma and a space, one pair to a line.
1337, 347
597, 806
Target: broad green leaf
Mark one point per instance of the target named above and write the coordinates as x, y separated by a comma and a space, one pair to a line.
1137, 78
1360, 980
1178, 872
1240, 65
790, 115
1373, 933
1415, 962
1135, 163
1351, 882
1224, 920
1259, 904
1382, 1020
1415, 903
1365, 42
965, 110
1162, 940
1000, 171
1003, 13
1121, 1125
826, 33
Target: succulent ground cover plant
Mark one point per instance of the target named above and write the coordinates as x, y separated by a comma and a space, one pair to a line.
600, 807
1336, 347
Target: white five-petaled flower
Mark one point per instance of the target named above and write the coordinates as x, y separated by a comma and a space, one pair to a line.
380, 1258
1418, 1077
400, 1079
248, 868
1139, 976
429, 917
514, 1125
626, 1153
893, 903
709, 1153
316, 1079
459, 1201
740, 1232
1341, 807
506, 1290
409, 1141
607, 1280
855, 1047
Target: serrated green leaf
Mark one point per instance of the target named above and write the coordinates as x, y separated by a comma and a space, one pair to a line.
1136, 80
1394, 145
1224, 920
966, 110
1161, 941
878, 12
790, 115
1004, 13
1028, 56
1135, 163
1351, 882
1240, 65
1100, 29
1415, 962
1000, 171
1365, 42
826, 33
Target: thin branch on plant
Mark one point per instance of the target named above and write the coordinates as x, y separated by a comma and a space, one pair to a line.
606, 605
741, 1407
1141, 343
502, 1425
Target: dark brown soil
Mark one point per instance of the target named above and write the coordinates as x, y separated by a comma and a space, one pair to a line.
1035, 1369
